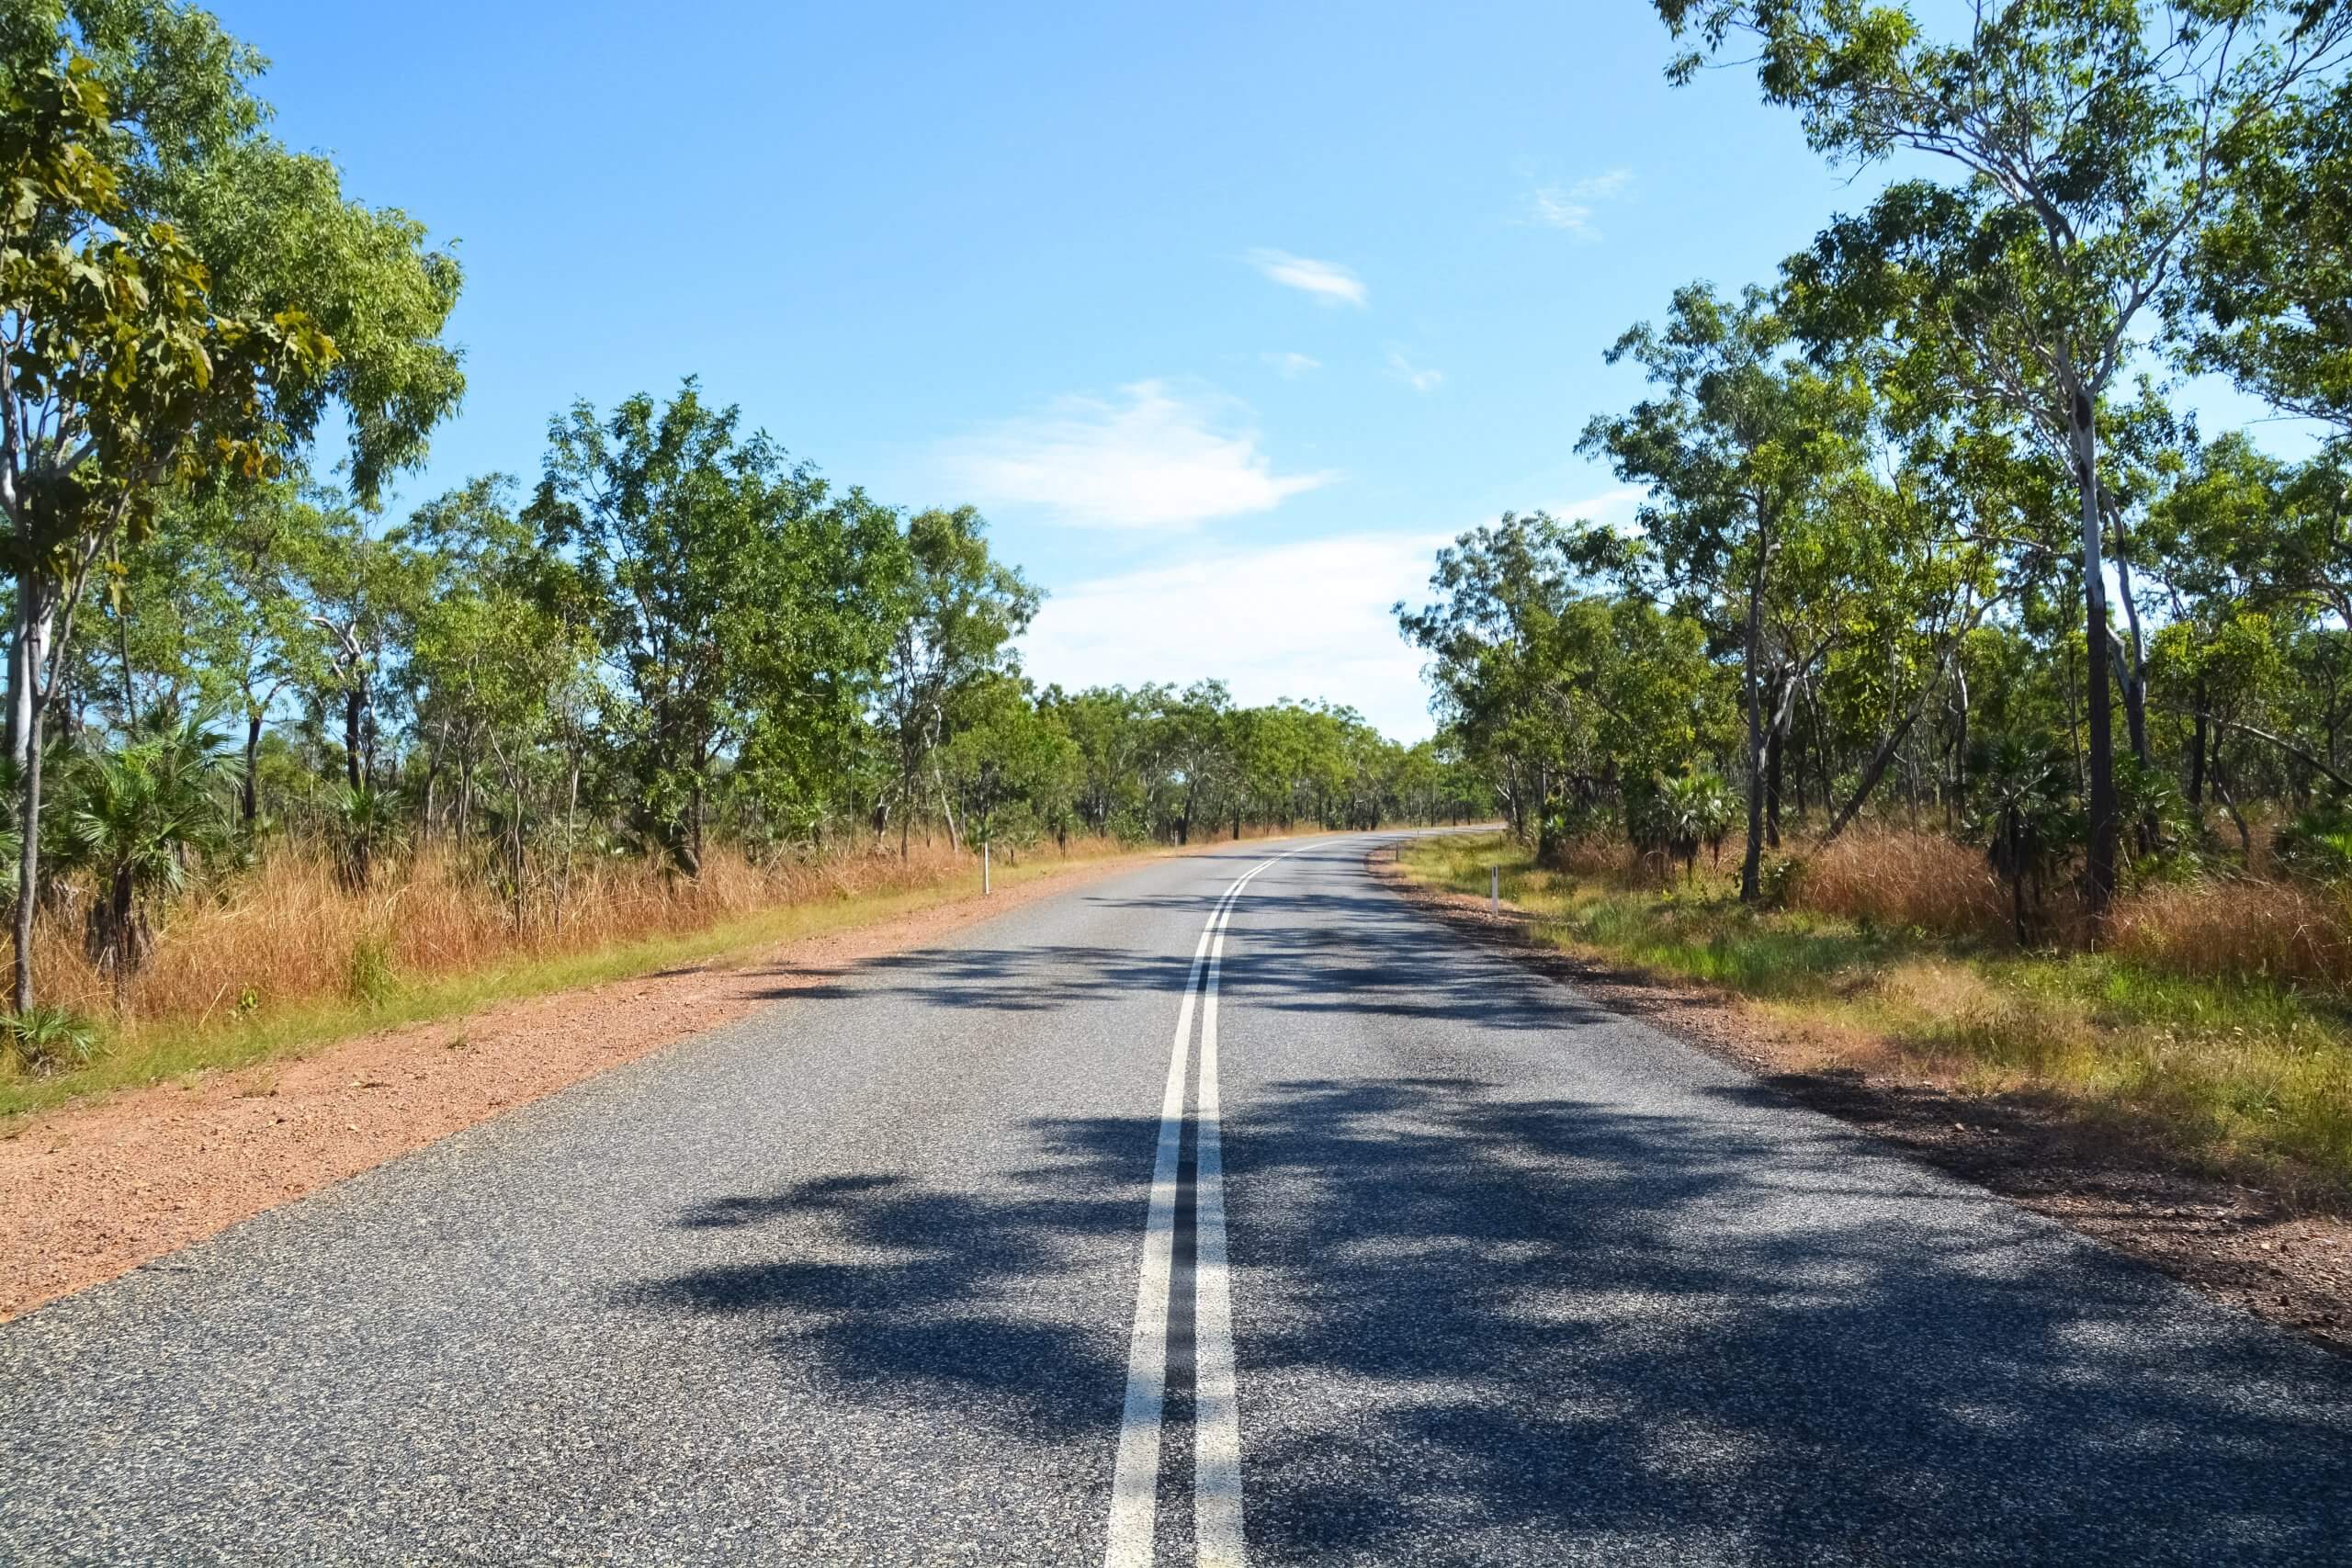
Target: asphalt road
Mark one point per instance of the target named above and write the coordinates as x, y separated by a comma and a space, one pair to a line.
1510, 1281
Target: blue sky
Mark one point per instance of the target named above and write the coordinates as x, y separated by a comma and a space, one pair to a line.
1226, 315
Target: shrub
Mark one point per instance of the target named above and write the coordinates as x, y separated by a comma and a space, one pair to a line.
2317, 845
48, 1038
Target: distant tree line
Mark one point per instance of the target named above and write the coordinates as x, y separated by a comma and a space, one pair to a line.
678, 634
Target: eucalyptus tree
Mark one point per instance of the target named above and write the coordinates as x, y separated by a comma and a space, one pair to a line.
1748, 452
172, 284
2092, 140
671, 521
1004, 757
1559, 690
2269, 281
958, 611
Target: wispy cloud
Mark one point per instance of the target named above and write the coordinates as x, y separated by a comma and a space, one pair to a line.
1290, 366
1570, 207
1304, 618
1419, 377
1329, 282
1149, 456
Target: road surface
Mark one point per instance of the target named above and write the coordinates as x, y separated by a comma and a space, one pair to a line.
1432, 1264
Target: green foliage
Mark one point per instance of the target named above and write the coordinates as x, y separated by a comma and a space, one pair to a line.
1670, 819
2025, 815
2317, 844
139, 819
47, 1040
372, 977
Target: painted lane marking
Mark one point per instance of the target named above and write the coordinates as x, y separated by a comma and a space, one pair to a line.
1207, 1307
1216, 1413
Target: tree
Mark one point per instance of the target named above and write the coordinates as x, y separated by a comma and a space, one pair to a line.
2269, 280
1745, 450
1003, 753
149, 340
674, 524
140, 815
2093, 138
960, 611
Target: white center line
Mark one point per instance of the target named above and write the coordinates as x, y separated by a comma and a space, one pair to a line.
1217, 1467
1216, 1414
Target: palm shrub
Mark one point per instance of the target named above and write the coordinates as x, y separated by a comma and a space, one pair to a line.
1676, 814
141, 816
370, 828
47, 1040
2317, 845
2025, 813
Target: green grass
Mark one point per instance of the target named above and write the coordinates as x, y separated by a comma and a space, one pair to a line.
2245, 1077
167, 1052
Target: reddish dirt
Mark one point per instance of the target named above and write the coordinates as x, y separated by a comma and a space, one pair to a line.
89, 1191
2256, 1251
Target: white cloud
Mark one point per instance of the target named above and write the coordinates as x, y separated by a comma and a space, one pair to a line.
1613, 509
1148, 457
1330, 283
1420, 379
1570, 208
1304, 619
1290, 366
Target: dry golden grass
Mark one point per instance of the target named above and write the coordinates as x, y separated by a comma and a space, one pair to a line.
1603, 856
1906, 880
2222, 927
2213, 1020
292, 933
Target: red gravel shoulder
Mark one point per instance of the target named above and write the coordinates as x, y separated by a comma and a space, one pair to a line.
89, 1191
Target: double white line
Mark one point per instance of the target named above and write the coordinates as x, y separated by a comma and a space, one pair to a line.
1217, 1419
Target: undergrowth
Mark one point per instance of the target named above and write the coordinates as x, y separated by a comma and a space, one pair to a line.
288, 958
2218, 1021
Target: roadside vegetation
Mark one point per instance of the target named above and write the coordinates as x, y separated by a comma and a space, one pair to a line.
1894, 959
284, 760
1958, 686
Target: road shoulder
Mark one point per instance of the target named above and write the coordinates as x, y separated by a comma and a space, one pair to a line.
90, 1192
2236, 1244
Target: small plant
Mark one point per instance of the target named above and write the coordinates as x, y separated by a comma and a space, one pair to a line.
372, 978
2317, 845
2025, 816
1781, 882
48, 1038
1673, 816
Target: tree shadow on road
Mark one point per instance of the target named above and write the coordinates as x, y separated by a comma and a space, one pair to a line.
1481, 1320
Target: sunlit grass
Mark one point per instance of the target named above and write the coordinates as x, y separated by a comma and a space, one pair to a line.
446, 960
2246, 1073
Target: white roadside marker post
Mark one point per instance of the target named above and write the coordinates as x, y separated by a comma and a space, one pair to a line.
984, 871
1493, 889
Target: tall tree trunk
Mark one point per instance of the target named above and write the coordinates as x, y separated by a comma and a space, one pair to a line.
122, 653
2098, 868
1774, 745
1960, 740
248, 791
353, 719
570, 816
28, 652
946, 808
2195, 788
1751, 864
28, 854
